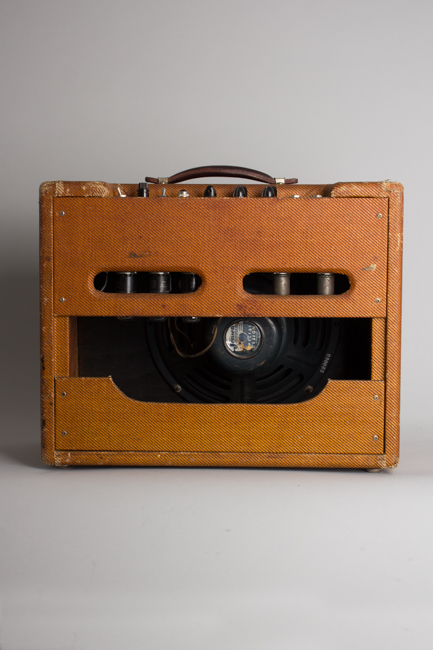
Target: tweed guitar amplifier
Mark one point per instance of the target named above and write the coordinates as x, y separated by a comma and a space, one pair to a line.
219, 325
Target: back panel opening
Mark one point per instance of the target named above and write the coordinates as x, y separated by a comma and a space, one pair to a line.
225, 360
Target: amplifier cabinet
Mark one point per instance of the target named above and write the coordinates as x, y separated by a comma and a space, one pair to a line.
191, 327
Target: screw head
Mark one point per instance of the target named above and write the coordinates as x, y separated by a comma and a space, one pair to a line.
308, 389
375, 397
379, 216
62, 299
377, 300
375, 437
177, 388
63, 393
61, 213
63, 433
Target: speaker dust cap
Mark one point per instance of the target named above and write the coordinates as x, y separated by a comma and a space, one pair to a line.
243, 339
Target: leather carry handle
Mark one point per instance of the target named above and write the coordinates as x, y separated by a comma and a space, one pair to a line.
221, 170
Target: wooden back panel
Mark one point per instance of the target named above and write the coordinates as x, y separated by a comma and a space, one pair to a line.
221, 240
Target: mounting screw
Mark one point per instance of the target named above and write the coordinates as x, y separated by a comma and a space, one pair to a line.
61, 213
377, 300
62, 299
379, 216
63, 394
63, 433
375, 437
376, 397
308, 389
177, 388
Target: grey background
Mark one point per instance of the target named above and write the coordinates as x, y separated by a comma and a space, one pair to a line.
176, 558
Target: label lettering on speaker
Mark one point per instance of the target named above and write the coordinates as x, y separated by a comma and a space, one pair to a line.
243, 339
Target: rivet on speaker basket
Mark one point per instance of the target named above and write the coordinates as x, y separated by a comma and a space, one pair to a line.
251, 325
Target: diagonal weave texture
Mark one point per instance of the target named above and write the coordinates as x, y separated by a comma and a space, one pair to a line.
222, 240
310, 446
108, 420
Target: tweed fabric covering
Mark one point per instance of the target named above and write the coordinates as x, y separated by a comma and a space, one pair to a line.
108, 420
379, 240
189, 459
378, 333
222, 240
393, 322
